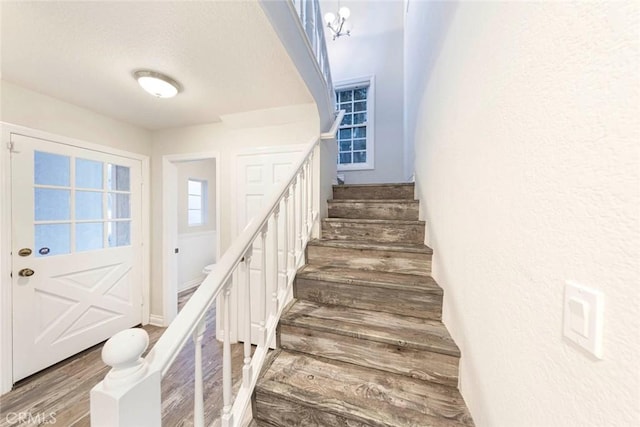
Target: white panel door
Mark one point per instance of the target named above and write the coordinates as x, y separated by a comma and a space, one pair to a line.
257, 177
76, 250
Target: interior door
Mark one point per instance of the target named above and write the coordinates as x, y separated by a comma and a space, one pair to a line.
76, 250
257, 177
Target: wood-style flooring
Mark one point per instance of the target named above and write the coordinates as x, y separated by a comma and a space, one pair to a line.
61, 393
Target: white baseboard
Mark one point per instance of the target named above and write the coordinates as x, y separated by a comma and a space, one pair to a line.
156, 320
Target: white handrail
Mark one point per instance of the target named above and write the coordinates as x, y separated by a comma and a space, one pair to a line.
134, 382
174, 338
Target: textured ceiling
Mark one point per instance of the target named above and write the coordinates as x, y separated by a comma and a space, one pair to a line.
224, 53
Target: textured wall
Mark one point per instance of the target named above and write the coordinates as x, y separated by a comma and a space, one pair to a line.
527, 157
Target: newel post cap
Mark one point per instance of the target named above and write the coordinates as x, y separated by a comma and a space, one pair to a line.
123, 353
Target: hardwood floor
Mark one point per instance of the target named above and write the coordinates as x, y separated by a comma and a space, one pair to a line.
61, 392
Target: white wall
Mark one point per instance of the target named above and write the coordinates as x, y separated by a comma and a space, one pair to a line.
527, 135
197, 244
282, 126
375, 48
24, 107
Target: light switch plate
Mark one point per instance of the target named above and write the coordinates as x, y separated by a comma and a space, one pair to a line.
583, 317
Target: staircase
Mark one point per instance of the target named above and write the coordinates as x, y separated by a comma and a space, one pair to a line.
362, 343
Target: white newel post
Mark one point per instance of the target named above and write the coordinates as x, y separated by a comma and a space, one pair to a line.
129, 395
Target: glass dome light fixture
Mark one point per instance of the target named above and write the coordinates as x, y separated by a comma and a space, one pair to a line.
336, 23
157, 84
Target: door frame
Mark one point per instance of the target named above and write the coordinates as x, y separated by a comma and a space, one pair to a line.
6, 296
170, 229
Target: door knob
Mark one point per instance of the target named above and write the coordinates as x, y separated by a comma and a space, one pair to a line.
26, 272
24, 252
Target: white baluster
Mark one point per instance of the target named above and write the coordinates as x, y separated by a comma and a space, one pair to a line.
294, 220
285, 243
130, 393
227, 416
309, 195
274, 285
303, 205
246, 369
198, 395
263, 288
299, 217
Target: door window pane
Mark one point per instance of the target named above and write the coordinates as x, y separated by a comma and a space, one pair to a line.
51, 169
118, 178
88, 205
89, 236
88, 174
52, 239
119, 233
52, 205
118, 206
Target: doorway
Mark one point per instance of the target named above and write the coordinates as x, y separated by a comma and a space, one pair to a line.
76, 242
191, 218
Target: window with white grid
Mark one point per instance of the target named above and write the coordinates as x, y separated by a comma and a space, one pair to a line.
196, 204
355, 139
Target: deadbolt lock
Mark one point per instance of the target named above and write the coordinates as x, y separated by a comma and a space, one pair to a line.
24, 252
26, 272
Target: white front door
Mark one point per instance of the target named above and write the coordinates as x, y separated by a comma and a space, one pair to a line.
257, 177
76, 250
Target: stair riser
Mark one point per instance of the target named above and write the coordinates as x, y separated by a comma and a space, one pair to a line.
374, 210
410, 362
409, 303
373, 192
273, 410
364, 259
383, 232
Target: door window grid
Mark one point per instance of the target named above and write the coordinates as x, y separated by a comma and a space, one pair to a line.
352, 135
196, 207
86, 214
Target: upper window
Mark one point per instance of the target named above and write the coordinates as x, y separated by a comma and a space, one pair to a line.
355, 136
197, 195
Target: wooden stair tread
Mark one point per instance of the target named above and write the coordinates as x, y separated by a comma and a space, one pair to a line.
363, 395
379, 279
383, 185
372, 245
398, 330
373, 201
375, 221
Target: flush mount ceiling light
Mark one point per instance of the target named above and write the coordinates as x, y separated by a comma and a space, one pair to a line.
336, 23
157, 84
